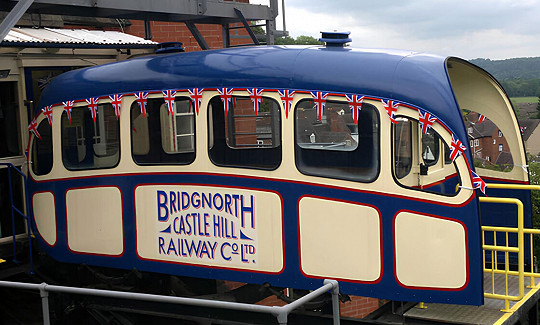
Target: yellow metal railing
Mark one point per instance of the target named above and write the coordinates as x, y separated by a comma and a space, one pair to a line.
507, 249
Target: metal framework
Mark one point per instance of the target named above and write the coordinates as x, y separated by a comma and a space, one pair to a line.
281, 313
190, 12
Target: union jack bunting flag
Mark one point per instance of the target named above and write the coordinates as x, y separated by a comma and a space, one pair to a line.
116, 101
256, 98
92, 106
141, 98
426, 120
226, 97
478, 182
481, 118
33, 128
391, 108
169, 96
48, 112
196, 96
68, 106
319, 98
456, 148
355, 104
286, 98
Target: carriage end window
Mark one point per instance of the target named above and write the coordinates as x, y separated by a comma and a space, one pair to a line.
162, 137
335, 146
245, 137
41, 156
420, 162
90, 142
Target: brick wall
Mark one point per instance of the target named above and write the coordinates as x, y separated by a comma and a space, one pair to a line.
358, 307
178, 32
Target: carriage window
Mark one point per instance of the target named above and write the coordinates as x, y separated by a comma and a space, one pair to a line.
246, 128
159, 137
402, 148
178, 129
430, 147
89, 144
419, 161
245, 138
42, 157
335, 146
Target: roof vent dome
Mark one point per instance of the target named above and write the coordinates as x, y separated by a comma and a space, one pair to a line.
335, 39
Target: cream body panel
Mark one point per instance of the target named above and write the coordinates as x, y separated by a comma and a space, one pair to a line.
339, 233
430, 252
44, 207
212, 232
95, 220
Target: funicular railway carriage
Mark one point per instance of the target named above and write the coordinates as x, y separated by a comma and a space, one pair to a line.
280, 165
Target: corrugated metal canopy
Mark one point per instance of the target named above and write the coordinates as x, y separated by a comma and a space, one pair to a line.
51, 37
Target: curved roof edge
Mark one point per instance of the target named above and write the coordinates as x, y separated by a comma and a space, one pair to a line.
414, 78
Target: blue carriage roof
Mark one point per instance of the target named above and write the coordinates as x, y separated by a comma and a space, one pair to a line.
414, 78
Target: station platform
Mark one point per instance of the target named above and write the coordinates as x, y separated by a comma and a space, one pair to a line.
491, 312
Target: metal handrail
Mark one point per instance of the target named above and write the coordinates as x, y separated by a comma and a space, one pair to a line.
280, 312
14, 209
519, 250
532, 274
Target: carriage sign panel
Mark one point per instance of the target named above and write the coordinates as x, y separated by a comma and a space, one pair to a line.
214, 226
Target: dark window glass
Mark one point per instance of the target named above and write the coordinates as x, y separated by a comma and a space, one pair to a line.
87, 144
42, 154
335, 146
402, 147
430, 147
9, 120
244, 138
160, 137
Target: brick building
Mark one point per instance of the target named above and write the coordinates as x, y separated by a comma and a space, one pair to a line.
489, 146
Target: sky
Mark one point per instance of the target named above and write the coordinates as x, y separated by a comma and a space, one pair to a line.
470, 29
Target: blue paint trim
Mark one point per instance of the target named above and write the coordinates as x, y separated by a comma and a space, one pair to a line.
291, 276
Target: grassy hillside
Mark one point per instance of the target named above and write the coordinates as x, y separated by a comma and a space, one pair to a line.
520, 77
519, 68
519, 100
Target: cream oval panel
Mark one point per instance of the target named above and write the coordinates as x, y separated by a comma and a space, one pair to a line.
212, 226
44, 208
340, 233
95, 221
430, 251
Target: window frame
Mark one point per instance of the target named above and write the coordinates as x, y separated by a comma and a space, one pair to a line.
148, 159
231, 125
218, 147
33, 148
297, 148
84, 109
417, 139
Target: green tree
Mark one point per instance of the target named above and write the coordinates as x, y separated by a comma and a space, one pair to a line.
300, 40
538, 106
534, 174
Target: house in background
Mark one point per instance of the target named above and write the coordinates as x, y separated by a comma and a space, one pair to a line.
531, 135
489, 146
